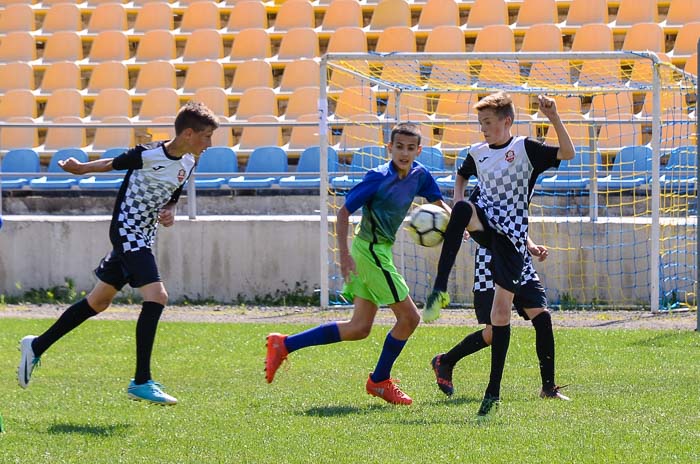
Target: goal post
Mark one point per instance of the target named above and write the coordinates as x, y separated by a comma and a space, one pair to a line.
620, 219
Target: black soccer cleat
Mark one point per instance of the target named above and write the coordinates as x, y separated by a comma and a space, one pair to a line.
488, 405
443, 375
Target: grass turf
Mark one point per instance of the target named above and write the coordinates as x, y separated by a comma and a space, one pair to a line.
635, 399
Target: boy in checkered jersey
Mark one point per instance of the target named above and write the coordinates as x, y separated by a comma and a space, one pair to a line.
507, 168
156, 174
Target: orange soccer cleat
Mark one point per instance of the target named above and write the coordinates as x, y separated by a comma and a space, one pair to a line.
276, 353
388, 391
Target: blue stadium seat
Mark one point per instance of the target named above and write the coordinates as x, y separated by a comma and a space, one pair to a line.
431, 158
630, 169
573, 174
20, 160
680, 174
59, 182
270, 159
363, 159
104, 182
215, 160
310, 161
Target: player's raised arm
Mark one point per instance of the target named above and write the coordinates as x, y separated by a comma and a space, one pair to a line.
548, 107
74, 166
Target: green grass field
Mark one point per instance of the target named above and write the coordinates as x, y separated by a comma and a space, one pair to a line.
635, 399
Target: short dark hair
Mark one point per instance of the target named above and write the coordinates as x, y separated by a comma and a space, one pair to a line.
195, 115
405, 128
499, 102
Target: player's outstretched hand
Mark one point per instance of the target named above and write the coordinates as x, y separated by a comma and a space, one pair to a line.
71, 165
548, 106
538, 251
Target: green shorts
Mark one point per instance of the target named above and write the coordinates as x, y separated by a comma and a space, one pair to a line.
376, 279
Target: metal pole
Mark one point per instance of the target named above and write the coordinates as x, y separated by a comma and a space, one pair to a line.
323, 191
191, 198
655, 245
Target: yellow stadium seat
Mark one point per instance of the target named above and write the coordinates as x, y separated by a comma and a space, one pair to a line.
159, 102
17, 75
111, 137
410, 105
65, 137
681, 12
246, 15
499, 72
533, 12
300, 73
611, 104
251, 44
365, 131
166, 132
214, 98
543, 38
17, 46
600, 73
17, 103
111, 102
545, 73
449, 74
679, 132
636, 11
396, 39
294, 14
97, 3
223, 136
645, 36
687, 40
438, 13
593, 37
107, 75
19, 137
445, 39
612, 137
156, 45
495, 38
342, 13
301, 42
200, 15
304, 100
455, 103
354, 101
347, 40
62, 17
566, 106
155, 74
60, 75
642, 70
304, 136
203, 74
109, 46
587, 12
203, 44
17, 17
408, 74
458, 135
252, 73
256, 101
390, 13
487, 12
691, 64
576, 126
153, 16
108, 17
672, 104
63, 46
64, 102
258, 136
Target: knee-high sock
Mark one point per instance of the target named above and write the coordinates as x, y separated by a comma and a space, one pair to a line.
544, 345
471, 344
145, 336
320, 335
499, 350
391, 351
459, 219
69, 320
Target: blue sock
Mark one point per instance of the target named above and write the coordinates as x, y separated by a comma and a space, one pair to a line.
391, 351
320, 335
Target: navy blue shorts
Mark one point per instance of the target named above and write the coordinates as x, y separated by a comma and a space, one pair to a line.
531, 295
136, 268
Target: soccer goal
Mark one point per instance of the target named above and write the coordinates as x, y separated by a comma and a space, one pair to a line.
619, 219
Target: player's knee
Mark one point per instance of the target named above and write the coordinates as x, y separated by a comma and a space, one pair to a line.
358, 331
543, 319
411, 320
99, 304
487, 335
160, 297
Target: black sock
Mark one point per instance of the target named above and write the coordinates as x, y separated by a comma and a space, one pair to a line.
471, 344
499, 350
544, 344
459, 219
145, 336
69, 320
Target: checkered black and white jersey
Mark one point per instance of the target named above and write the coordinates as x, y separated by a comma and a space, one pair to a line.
506, 177
483, 279
153, 180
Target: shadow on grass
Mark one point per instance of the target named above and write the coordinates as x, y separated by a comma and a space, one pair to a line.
662, 339
337, 411
91, 430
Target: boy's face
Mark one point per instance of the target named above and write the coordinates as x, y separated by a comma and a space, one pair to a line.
199, 141
496, 130
404, 150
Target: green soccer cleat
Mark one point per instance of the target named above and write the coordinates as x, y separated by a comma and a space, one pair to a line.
436, 301
488, 405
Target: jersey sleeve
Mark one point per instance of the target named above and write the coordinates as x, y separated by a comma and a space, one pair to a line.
468, 167
542, 157
429, 188
363, 191
130, 159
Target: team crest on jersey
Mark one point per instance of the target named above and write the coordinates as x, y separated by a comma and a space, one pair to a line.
510, 156
181, 175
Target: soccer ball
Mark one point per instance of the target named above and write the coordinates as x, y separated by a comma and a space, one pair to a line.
427, 225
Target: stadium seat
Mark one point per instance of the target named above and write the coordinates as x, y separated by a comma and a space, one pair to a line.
17, 103
676, 130
438, 13
252, 73
59, 182
643, 71
356, 100
390, 13
449, 74
405, 74
691, 64
251, 44
645, 36
632, 12
304, 136
18, 137
672, 104
300, 73
577, 126
108, 137
680, 173
247, 15
293, 15
573, 174
681, 12
63, 46
17, 75
17, 46
200, 15
396, 39
109, 46
257, 136
215, 98
630, 169
298, 43
105, 182
499, 73
612, 137
487, 12
64, 102
21, 160
686, 42
107, 17
546, 73
154, 16
165, 129
366, 129
203, 74
62, 16
161, 101
431, 158
410, 104
363, 159
583, 12
263, 159
215, 159
256, 101
600, 73
60, 75
451, 103
304, 100
533, 12
495, 38
156, 44
108, 75
65, 137
342, 13
445, 39
347, 40
111, 102
310, 162
17, 17
155, 75
566, 106
611, 104
593, 38
203, 44
458, 135
543, 38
